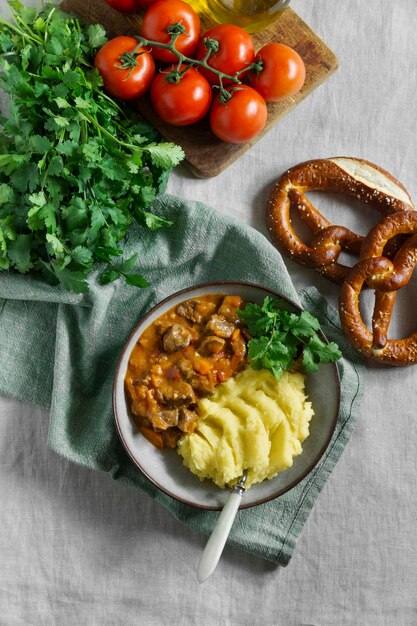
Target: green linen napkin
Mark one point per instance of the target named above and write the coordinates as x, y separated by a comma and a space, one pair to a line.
60, 350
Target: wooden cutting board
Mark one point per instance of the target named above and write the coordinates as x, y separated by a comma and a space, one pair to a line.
206, 155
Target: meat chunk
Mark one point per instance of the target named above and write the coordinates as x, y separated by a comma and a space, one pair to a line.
186, 368
174, 393
143, 379
239, 346
211, 345
229, 307
170, 438
202, 384
138, 393
164, 418
188, 420
176, 338
219, 325
161, 326
196, 311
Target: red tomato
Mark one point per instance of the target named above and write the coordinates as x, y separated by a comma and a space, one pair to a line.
129, 83
184, 102
129, 6
164, 13
235, 52
283, 72
241, 118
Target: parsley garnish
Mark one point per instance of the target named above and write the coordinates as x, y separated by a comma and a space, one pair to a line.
75, 168
281, 339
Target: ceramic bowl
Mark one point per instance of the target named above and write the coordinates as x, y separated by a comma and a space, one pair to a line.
165, 469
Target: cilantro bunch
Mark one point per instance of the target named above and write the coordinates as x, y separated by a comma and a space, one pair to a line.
75, 167
282, 340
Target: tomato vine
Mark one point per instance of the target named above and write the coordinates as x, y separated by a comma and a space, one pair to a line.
175, 75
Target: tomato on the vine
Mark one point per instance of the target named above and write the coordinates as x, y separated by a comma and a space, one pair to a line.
283, 72
129, 6
241, 118
183, 102
163, 14
125, 75
235, 51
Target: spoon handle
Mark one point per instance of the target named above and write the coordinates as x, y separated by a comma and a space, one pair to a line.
215, 544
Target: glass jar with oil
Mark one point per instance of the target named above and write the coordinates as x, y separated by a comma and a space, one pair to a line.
252, 15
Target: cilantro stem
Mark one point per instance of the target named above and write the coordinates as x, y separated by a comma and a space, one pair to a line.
46, 173
19, 21
116, 106
84, 131
22, 33
131, 146
97, 126
271, 338
47, 22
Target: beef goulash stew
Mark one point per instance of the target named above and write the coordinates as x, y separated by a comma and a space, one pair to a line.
179, 359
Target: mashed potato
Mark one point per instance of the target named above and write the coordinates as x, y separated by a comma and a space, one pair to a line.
253, 422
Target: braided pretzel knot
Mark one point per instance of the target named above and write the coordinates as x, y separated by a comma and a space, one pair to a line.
354, 177
386, 277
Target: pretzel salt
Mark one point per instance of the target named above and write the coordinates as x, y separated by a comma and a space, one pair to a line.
386, 277
354, 177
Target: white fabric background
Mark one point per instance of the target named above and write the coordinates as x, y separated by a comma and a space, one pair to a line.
76, 548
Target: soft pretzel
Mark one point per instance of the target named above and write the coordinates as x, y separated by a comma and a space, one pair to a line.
354, 177
386, 277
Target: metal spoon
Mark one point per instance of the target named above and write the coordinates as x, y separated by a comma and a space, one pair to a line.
215, 544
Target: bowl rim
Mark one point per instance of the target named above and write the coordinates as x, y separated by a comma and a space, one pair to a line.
154, 482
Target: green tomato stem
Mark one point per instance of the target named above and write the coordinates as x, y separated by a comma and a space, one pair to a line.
184, 59
256, 67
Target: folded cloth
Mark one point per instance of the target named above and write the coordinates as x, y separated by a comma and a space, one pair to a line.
59, 350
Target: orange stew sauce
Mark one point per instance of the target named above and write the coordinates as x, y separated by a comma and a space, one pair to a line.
179, 359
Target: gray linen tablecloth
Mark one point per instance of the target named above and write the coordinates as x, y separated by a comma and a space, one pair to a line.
77, 548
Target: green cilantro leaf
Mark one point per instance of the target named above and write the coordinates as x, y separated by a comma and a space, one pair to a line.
55, 245
72, 280
316, 352
7, 231
127, 265
62, 103
6, 193
154, 222
81, 255
113, 272
96, 35
136, 280
19, 252
303, 325
165, 155
257, 350
109, 275
40, 144
259, 320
